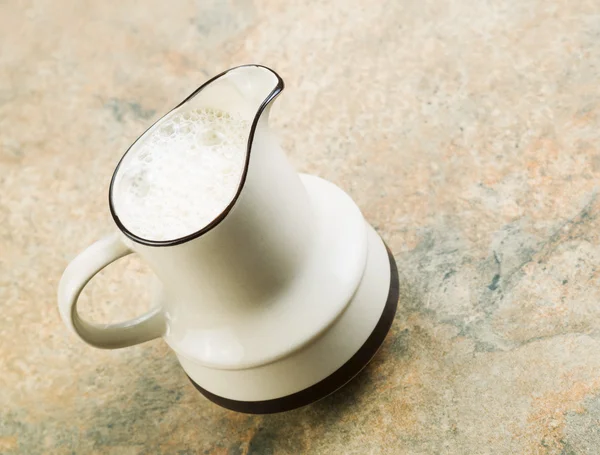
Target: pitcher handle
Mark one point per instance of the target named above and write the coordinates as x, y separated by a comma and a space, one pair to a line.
107, 336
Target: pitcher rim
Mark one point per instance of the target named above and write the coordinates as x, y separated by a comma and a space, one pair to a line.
279, 86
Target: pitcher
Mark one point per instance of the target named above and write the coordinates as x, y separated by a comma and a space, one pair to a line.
283, 297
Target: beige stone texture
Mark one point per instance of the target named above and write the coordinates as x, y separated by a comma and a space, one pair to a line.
467, 131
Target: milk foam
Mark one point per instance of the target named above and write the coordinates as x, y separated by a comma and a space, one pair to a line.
183, 175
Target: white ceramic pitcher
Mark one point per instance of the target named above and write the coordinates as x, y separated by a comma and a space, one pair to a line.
277, 302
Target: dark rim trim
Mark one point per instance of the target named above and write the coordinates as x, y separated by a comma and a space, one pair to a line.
276, 91
332, 382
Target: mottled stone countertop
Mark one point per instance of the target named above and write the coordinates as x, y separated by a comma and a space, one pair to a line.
467, 131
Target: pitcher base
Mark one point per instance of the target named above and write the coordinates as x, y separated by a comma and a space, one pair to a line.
334, 381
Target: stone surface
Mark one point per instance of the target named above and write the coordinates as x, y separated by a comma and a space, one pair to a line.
468, 132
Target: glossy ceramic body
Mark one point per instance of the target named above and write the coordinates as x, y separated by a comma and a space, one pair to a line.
279, 292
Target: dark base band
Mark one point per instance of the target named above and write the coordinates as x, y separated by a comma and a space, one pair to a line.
335, 380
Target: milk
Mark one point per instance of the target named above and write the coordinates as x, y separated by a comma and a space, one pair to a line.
182, 174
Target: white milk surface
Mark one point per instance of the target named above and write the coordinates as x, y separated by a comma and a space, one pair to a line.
183, 174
